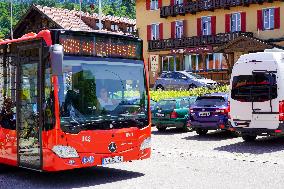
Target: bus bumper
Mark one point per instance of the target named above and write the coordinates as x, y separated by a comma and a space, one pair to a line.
51, 162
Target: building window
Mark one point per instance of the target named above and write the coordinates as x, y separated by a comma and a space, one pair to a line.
179, 29
98, 25
268, 18
171, 63
206, 25
235, 22
155, 31
130, 29
114, 27
178, 2
154, 5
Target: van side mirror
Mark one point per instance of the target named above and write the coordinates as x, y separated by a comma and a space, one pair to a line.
56, 57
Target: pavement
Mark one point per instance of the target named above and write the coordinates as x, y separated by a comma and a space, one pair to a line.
179, 160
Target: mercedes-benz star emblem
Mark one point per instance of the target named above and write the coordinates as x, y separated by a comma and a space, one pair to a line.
112, 147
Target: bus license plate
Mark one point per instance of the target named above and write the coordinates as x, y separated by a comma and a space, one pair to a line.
204, 114
111, 160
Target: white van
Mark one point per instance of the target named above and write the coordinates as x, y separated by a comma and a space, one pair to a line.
257, 94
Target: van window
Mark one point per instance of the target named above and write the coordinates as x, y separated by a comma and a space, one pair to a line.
210, 101
258, 87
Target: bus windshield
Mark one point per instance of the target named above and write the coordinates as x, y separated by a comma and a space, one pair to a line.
95, 91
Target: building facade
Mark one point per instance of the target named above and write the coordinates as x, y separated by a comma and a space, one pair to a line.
206, 36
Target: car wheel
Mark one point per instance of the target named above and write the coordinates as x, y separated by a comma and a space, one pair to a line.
162, 129
201, 132
248, 138
192, 86
159, 88
185, 128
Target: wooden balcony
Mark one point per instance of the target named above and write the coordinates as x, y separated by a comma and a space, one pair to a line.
195, 41
209, 5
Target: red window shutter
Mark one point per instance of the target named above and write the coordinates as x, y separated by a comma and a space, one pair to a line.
173, 30
259, 20
277, 18
213, 25
199, 32
184, 28
172, 2
227, 23
160, 3
161, 31
149, 33
243, 21
147, 4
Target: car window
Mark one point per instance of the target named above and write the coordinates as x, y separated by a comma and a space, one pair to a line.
166, 104
209, 101
168, 75
186, 103
180, 76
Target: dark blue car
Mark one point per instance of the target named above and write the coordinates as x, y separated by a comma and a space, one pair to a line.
209, 112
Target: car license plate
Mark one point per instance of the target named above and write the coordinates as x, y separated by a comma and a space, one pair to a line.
111, 160
204, 114
160, 115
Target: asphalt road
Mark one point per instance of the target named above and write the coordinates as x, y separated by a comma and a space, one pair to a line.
179, 160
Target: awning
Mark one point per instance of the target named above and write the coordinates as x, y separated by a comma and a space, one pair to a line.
246, 44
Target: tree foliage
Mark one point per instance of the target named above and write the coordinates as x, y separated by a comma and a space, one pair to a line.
123, 8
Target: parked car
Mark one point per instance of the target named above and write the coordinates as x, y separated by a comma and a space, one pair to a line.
172, 113
182, 80
257, 94
209, 112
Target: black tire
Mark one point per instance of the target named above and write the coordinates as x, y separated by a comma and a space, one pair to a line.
248, 138
192, 86
160, 88
201, 132
161, 129
185, 128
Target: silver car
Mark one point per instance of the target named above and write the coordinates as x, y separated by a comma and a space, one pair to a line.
182, 80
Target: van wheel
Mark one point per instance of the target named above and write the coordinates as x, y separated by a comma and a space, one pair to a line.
159, 88
192, 86
248, 138
161, 129
201, 132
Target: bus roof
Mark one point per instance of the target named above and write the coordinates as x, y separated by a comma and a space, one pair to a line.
44, 34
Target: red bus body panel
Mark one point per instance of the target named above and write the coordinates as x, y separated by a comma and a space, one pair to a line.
128, 140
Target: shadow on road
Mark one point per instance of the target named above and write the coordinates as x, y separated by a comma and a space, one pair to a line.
169, 131
212, 136
260, 146
11, 177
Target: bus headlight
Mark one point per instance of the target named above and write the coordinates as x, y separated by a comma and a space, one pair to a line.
65, 151
146, 144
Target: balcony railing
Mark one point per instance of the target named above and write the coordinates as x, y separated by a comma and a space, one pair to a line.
209, 5
186, 42
195, 41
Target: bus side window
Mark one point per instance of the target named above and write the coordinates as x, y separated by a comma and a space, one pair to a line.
49, 117
7, 93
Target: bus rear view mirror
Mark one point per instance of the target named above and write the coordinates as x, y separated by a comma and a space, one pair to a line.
56, 57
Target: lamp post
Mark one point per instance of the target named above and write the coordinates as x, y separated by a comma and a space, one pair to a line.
100, 15
11, 16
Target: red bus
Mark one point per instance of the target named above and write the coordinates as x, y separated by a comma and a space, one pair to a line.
73, 99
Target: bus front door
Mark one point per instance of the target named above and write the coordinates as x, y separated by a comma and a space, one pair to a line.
29, 117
